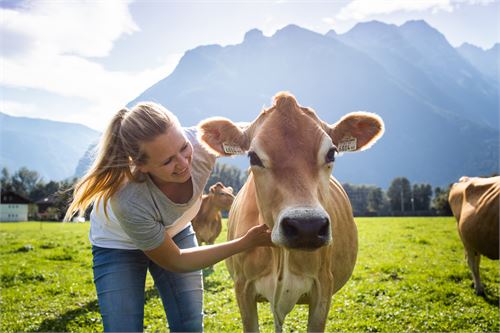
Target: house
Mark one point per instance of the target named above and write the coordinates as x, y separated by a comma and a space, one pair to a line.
13, 207
47, 210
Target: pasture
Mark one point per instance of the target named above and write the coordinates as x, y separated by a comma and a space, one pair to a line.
411, 276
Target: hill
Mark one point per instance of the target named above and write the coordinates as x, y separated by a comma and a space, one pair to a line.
52, 148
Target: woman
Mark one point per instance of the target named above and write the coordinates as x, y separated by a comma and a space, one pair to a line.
146, 186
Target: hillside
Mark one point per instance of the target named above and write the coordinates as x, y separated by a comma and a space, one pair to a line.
51, 148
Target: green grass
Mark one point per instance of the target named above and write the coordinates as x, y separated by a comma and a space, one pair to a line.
410, 276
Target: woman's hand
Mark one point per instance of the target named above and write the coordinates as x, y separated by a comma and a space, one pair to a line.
170, 257
259, 235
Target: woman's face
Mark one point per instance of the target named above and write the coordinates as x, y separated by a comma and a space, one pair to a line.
169, 157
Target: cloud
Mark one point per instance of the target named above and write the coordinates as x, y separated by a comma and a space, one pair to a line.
363, 9
78, 78
328, 20
54, 46
82, 28
70, 75
18, 108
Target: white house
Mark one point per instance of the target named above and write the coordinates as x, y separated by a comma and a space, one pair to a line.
13, 207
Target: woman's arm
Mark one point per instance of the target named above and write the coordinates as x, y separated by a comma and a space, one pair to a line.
171, 258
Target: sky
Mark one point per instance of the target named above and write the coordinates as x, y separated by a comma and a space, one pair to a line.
81, 61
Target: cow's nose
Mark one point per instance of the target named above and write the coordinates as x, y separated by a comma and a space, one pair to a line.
306, 232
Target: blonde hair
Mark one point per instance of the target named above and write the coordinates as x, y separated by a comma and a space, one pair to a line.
119, 151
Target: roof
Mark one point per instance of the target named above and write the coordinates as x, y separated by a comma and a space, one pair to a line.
50, 200
9, 197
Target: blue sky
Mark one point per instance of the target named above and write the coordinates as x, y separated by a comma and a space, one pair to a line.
80, 61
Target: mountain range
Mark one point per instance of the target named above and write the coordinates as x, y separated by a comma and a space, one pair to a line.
486, 61
440, 104
440, 108
52, 148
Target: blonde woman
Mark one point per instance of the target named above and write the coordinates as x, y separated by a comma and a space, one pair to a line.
146, 186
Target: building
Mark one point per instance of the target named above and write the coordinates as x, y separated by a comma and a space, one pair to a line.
13, 207
47, 210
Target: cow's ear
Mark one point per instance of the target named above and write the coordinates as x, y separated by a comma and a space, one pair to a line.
356, 131
223, 137
229, 189
212, 189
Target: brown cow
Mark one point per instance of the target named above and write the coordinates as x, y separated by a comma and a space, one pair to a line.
208, 222
475, 204
290, 188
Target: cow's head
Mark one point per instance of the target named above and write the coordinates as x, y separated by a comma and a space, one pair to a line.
223, 196
291, 153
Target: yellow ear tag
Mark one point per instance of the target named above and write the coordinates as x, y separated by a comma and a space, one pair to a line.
232, 150
348, 143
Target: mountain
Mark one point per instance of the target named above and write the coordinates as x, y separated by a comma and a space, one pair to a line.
486, 61
441, 112
51, 148
420, 60
86, 160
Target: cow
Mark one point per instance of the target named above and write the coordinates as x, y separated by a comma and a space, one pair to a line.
291, 190
474, 202
208, 222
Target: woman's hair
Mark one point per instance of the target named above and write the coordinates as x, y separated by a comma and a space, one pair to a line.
118, 153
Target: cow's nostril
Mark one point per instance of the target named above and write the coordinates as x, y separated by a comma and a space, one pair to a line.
289, 230
323, 231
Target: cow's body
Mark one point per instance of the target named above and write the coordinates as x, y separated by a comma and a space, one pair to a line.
291, 190
208, 222
475, 204
286, 277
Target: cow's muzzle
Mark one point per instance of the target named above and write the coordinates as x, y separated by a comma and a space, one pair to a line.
303, 228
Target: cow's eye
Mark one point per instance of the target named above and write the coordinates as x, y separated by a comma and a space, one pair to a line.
330, 156
254, 159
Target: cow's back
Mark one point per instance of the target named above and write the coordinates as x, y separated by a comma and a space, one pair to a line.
475, 204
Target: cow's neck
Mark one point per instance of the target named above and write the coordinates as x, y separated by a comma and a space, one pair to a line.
211, 208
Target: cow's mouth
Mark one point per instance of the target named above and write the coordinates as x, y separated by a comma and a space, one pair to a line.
307, 244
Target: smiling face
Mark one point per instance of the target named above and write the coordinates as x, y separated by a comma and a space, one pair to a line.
170, 157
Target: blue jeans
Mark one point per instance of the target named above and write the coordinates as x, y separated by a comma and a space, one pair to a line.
120, 277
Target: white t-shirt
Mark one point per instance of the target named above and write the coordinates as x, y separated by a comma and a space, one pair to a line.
139, 213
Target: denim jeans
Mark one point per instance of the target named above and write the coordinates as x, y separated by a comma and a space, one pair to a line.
120, 276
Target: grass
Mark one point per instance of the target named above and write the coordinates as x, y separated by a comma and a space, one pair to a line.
411, 276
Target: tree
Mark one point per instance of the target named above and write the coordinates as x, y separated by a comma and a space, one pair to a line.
399, 194
422, 194
357, 197
365, 200
63, 196
6, 180
43, 190
24, 181
440, 202
228, 175
376, 201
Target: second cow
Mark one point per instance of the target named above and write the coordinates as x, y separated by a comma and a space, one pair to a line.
208, 223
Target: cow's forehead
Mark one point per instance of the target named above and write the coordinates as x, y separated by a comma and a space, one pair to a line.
287, 132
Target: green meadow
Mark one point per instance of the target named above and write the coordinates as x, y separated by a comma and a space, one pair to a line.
411, 276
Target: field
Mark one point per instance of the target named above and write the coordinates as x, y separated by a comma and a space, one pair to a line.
411, 276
